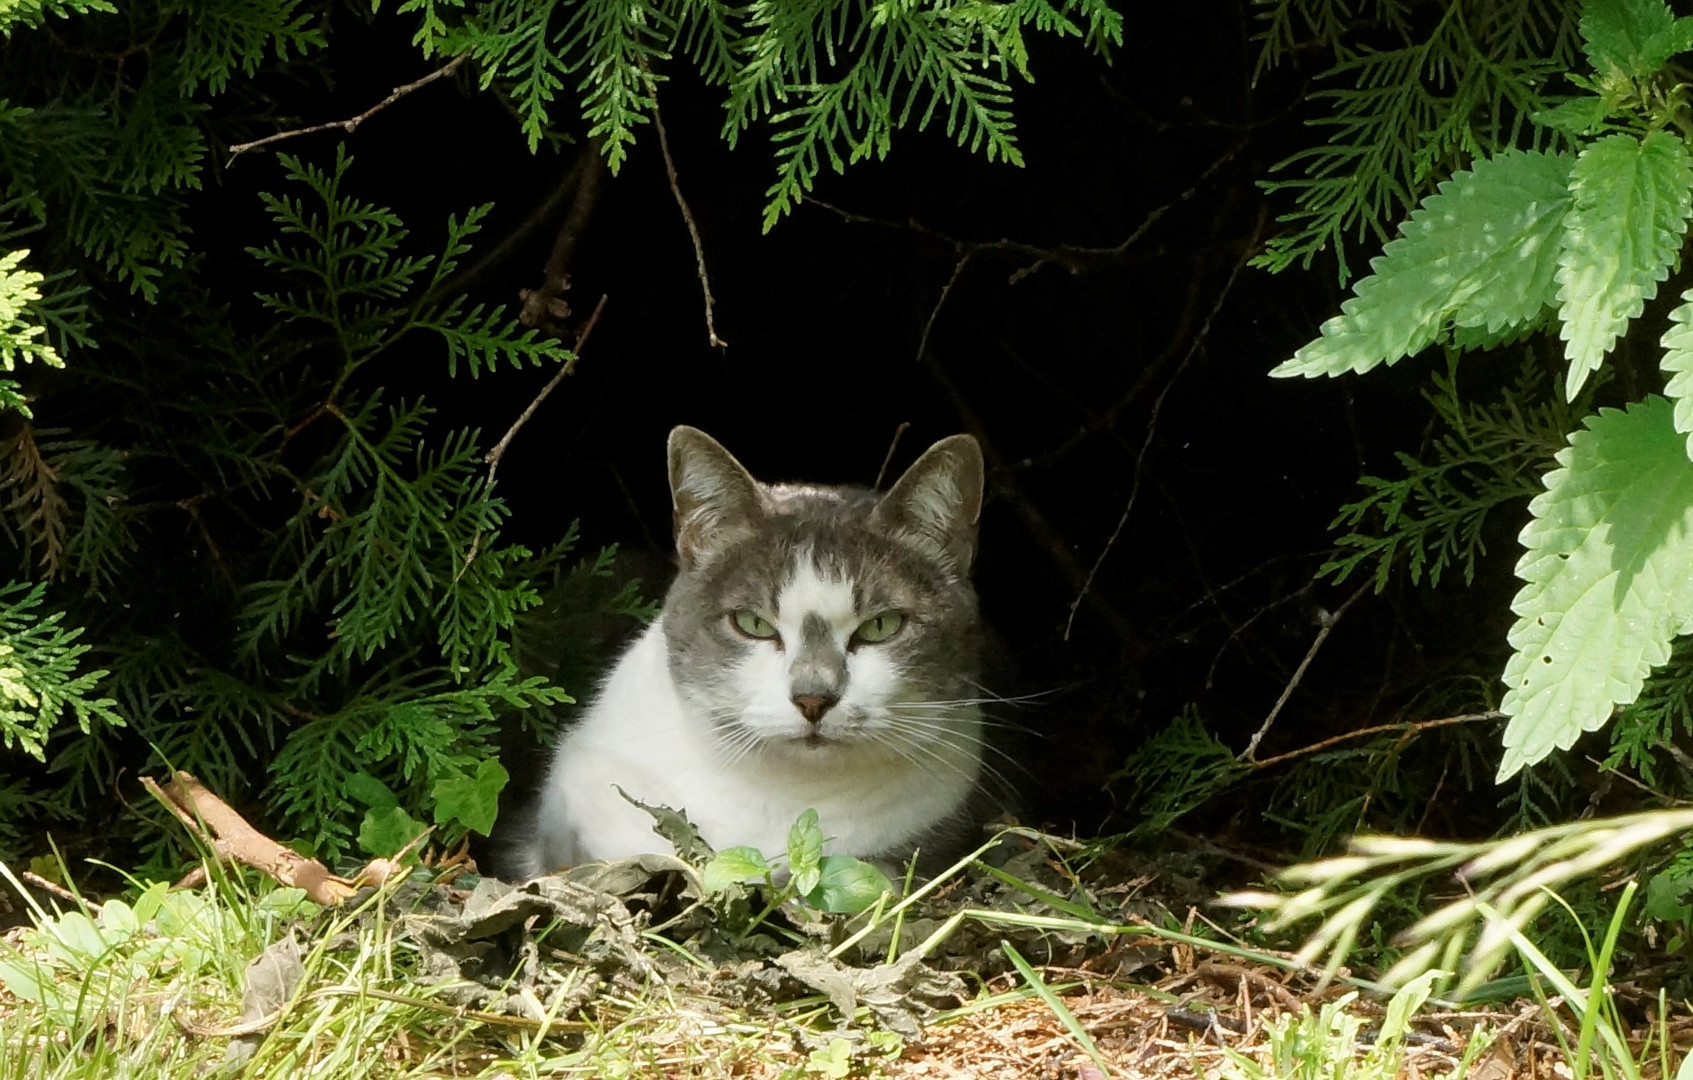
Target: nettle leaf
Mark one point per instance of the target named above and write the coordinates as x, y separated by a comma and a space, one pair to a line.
1678, 365
1632, 199
472, 800
1578, 116
1480, 253
1632, 37
1606, 581
846, 885
733, 866
805, 852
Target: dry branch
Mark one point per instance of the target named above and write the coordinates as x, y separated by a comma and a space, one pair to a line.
228, 835
351, 124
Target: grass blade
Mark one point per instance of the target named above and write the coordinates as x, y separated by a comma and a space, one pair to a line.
1056, 1004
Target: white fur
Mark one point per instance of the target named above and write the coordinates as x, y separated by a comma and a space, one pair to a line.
872, 795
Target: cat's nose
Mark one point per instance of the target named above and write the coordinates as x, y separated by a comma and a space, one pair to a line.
813, 706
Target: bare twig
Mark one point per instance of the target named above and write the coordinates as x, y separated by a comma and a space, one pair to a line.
693, 229
539, 216
1152, 422
940, 302
499, 450
881, 474
1409, 728
1072, 257
545, 307
350, 125
228, 835
58, 890
1329, 621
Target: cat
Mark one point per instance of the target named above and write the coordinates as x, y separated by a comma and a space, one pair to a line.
818, 648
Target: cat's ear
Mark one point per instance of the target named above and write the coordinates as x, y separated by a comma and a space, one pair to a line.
937, 501
715, 499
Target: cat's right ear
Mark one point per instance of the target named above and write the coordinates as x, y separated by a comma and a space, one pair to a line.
714, 499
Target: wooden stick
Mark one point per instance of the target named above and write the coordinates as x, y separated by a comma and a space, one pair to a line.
230, 837
351, 124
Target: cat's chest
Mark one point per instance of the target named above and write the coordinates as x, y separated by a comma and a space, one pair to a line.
643, 736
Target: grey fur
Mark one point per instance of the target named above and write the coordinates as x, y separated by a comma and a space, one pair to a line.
739, 548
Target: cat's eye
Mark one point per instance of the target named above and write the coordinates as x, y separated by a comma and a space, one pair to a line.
879, 628
752, 624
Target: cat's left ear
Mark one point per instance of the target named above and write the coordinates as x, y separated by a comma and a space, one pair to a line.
716, 501
938, 500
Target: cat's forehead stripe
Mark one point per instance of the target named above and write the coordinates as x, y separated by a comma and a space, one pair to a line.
812, 589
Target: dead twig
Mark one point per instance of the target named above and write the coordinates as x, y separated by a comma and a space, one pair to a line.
499, 451
1199, 337
539, 216
58, 890
881, 474
351, 125
1411, 727
545, 307
1328, 624
688, 219
228, 835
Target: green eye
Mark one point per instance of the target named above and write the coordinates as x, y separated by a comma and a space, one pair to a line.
752, 624
879, 627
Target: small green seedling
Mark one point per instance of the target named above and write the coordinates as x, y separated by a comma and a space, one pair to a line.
832, 883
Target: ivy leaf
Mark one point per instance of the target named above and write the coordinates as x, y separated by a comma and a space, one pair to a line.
1479, 253
387, 829
732, 866
1624, 232
805, 850
473, 801
846, 885
1606, 585
1678, 365
1633, 38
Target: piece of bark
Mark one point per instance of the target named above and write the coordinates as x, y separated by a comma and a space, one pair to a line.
232, 838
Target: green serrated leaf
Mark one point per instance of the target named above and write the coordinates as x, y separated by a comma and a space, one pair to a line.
1631, 37
1479, 253
1678, 365
1606, 585
1665, 896
1632, 200
846, 885
1574, 116
387, 829
473, 801
734, 866
805, 850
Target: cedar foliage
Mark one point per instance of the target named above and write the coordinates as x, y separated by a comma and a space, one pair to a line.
238, 552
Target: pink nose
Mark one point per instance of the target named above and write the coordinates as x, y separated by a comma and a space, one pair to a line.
813, 706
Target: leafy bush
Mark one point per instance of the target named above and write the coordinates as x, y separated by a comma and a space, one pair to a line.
1578, 238
247, 546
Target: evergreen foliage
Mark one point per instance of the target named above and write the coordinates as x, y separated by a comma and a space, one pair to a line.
1438, 84
1485, 458
293, 576
833, 78
1605, 589
40, 686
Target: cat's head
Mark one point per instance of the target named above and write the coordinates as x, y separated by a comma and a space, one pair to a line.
815, 620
